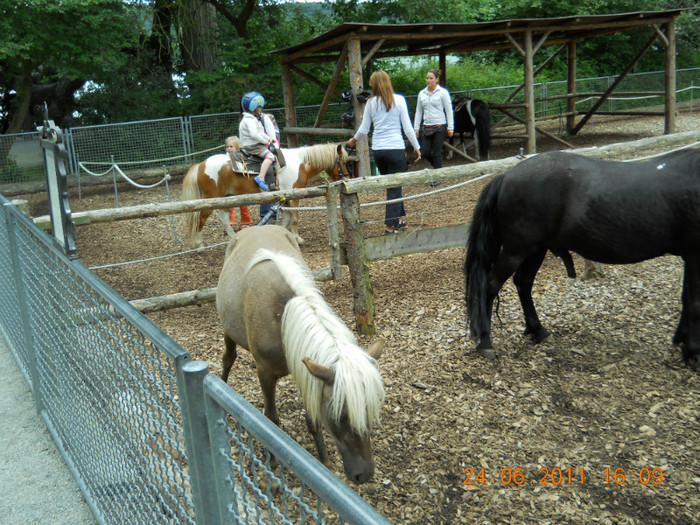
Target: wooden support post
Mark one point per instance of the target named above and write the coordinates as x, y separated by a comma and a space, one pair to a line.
670, 79
337, 269
355, 67
290, 114
358, 264
442, 64
571, 88
529, 95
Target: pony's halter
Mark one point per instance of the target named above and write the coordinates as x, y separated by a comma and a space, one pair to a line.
342, 167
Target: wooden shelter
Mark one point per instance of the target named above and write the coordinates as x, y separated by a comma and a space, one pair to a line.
355, 45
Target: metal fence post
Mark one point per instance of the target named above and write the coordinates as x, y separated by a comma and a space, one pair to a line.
199, 458
24, 315
221, 448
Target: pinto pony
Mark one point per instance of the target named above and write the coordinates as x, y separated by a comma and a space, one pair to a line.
472, 116
310, 161
213, 177
216, 177
606, 211
269, 303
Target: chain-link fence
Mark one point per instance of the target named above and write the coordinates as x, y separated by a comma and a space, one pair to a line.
180, 141
126, 406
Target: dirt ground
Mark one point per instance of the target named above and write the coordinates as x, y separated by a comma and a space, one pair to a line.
542, 434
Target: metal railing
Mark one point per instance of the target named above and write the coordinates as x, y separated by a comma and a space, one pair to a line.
149, 435
175, 141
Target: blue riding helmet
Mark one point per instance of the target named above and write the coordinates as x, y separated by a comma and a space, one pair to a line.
252, 100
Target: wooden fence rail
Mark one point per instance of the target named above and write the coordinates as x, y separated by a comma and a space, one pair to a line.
355, 251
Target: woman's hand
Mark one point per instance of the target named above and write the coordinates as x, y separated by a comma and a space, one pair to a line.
450, 132
416, 155
351, 143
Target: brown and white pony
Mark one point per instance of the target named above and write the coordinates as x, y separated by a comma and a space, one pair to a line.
217, 177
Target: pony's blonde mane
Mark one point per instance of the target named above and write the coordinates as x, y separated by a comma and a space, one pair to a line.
322, 156
311, 329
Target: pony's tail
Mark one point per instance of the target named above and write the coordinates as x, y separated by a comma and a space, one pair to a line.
483, 247
191, 191
483, 132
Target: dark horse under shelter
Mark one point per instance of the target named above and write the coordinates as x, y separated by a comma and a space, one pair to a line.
472, 116
606, 211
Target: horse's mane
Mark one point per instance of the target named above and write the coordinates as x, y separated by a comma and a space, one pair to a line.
311, 329
321, 156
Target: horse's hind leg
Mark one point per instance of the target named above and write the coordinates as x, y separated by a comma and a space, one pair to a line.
523, 279
228, 358
681, 335
688, 332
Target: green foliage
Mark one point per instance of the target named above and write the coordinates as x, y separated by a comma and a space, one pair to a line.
111, 44
44, 41
412, 11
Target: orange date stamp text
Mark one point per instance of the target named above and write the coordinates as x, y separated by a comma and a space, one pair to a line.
564, 476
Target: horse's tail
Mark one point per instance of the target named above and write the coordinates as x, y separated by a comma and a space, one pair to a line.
483, 131
191, 191
483, 247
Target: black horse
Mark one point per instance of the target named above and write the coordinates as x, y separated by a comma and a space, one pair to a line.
472, 116
606, 211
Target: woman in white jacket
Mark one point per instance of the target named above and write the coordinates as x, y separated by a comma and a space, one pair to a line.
434, 112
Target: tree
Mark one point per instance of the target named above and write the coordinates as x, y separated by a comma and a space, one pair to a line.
48, 50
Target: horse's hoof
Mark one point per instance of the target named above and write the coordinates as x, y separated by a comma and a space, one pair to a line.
488, 353
537, 335
541, 335
692, 360
679, 339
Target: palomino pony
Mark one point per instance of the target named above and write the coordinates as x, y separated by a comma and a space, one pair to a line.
606, 211
472, 116
269, 303
217, 177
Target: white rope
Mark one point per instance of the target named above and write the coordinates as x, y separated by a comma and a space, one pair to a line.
116, 168
82, 166
165, 178
411, 197
429, 193
113, 265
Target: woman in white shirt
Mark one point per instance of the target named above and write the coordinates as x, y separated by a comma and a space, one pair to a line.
434, 110
388, 113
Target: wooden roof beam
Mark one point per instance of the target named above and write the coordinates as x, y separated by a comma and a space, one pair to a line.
377, 45
614, 85
339, 66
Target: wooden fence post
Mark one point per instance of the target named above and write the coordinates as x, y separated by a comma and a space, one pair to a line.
337, 270
358, 264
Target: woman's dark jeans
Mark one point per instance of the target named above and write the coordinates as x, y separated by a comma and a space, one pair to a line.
392, 161
431, 146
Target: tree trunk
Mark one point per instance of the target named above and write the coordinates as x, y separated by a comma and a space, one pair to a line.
159, 41
25, 100
199, 36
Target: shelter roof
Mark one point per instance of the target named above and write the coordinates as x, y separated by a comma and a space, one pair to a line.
428, 39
